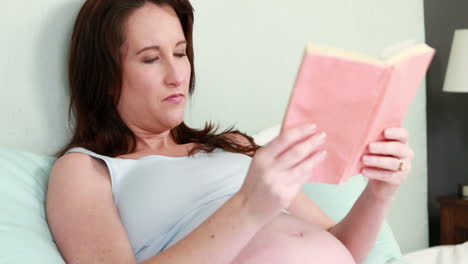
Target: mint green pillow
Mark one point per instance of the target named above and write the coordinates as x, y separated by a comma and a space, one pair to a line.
337, 200
24, 234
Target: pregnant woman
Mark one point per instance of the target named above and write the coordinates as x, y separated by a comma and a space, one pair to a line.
137, 185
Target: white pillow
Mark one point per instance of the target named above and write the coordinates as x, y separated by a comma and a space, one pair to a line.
446, 254
266, 135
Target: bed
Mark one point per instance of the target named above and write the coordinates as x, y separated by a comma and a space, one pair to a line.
447, 254
26, 238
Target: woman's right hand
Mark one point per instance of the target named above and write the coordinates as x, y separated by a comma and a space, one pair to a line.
279, 169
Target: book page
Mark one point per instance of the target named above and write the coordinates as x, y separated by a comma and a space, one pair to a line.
342, 53
392, 50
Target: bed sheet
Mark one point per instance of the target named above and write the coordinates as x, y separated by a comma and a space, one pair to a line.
447, 254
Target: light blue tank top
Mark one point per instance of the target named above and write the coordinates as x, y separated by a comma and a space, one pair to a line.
162, 199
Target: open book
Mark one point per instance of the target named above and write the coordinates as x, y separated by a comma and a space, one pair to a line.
354, 98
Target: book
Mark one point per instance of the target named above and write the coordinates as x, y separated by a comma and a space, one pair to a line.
354, 97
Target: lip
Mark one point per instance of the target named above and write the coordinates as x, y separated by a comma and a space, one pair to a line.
174, 96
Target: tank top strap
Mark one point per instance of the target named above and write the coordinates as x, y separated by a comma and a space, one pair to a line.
111, 164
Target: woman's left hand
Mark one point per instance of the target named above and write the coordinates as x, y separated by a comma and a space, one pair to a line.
383, 163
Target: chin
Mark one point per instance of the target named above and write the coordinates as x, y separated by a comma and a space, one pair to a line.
173, 122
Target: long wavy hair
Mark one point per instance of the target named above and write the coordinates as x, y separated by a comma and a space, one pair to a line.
95, 81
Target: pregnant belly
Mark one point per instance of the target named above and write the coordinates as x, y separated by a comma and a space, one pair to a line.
290, 240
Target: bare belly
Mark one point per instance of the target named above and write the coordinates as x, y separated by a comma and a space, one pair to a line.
288, 239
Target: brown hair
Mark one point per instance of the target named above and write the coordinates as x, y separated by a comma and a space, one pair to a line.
95, 79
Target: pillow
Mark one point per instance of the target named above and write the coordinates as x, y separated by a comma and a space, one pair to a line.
24, 233
337, 200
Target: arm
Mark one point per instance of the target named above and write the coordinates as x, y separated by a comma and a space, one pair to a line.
304, 208
87, 231
365, 218
218, 240
383, 168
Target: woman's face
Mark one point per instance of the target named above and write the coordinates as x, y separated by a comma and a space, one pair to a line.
154, 66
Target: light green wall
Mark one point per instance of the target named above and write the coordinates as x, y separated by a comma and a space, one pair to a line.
33, 42
247, 55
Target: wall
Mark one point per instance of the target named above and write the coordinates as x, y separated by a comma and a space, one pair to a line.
33, 49
446, 112
247, 55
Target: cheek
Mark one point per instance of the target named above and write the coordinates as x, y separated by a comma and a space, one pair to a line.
139, 91
143, 81
148, 83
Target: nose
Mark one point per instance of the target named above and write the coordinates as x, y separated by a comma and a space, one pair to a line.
174, 75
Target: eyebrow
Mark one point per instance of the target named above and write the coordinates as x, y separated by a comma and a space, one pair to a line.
157, 47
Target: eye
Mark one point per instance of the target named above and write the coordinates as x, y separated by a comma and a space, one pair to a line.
150, 60
180, 55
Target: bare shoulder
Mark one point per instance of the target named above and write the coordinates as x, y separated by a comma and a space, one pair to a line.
79, 169
79, 163
81, 212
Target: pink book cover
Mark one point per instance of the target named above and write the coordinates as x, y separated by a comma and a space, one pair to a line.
353, 99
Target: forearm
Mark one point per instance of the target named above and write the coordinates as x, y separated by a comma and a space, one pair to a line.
359, 229
218, 240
